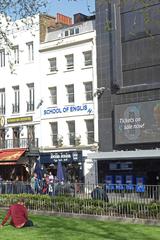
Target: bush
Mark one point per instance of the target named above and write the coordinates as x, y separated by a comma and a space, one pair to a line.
84, 206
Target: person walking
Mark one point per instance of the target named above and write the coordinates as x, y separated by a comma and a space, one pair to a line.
18, 214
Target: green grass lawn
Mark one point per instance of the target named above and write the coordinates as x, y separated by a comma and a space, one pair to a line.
61, 228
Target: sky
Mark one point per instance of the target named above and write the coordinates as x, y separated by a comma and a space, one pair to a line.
70, 7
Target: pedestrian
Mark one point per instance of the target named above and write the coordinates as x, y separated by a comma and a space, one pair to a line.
1, 184
18, 214
99, 194
51, 184
35, 184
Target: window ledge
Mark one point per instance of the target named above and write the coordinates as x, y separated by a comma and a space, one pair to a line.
138, 88
52, 106
52, 73
87, 67
30, 62
69, 70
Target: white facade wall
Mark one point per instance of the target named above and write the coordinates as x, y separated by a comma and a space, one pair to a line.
25, 72
37, 72
58, 47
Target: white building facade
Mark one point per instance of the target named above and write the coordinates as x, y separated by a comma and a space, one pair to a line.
19, 96
69, 100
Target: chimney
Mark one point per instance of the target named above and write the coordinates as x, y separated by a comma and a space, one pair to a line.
46, 22
64, 19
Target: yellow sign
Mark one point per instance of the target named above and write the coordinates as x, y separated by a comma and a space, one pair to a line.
20, 119
2, 121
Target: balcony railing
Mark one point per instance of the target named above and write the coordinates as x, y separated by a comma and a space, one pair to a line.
2, 110
19, 143
15, 108
30, 106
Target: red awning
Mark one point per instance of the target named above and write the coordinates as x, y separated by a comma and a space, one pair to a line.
10, 156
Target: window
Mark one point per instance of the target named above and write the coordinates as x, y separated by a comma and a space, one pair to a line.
88, 91
53, 64
31, 136
15, 105
66, 33
30, 103
2, 138
2, 58
90, 131
30, 51
71, 134
76, 30
70, 61
2, 101
72, 31
53, 95
87, 58
70, 93
16, 54
54, 135
16, 137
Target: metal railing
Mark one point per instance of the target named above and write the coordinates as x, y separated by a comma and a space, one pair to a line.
19, 143
141, 201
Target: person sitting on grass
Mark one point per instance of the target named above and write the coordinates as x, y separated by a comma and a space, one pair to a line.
18, 214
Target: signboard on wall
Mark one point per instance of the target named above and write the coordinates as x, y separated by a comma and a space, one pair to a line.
137, 122
66, 111
54, 157
19, 119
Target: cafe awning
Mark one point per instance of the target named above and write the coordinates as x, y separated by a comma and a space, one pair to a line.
10, 156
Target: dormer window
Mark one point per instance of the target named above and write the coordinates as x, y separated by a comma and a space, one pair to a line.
71, 32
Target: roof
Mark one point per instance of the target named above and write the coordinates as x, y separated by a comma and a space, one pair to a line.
125, 155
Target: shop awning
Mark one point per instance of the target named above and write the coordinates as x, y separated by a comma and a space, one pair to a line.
126, 155
10, 156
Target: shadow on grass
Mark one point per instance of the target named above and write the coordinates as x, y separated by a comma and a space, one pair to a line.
61, 228
91, 229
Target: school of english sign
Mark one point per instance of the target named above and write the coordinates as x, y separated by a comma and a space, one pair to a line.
65, 111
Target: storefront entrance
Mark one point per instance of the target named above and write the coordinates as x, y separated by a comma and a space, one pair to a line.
147, 169
71, 161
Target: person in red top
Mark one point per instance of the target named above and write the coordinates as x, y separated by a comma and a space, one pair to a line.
19, 215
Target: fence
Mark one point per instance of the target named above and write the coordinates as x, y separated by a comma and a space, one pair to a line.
120, 201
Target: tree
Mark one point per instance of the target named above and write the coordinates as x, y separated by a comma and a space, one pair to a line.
15, 13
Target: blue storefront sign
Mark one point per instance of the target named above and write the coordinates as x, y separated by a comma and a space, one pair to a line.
67, 156
109, 180
119, 182
129, 182
140, 184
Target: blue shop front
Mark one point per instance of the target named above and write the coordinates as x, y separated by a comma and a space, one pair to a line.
71, 161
